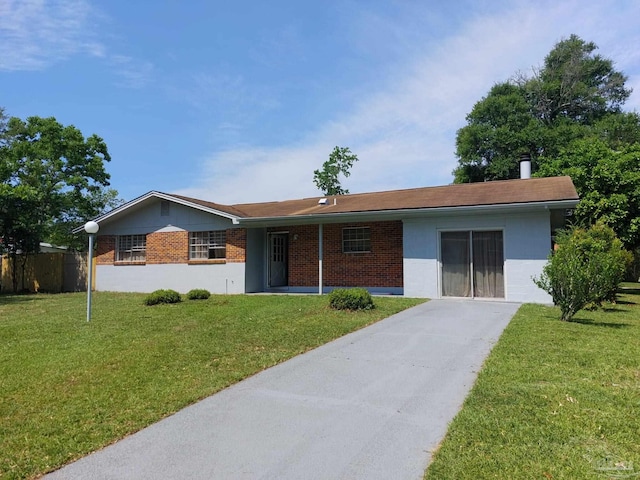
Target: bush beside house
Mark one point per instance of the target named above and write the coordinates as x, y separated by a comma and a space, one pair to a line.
586, 268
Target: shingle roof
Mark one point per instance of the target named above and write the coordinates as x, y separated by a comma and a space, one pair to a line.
500, 192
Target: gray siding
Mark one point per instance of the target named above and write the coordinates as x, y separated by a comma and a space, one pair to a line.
222, 278
527, 243
256, 258
146, 218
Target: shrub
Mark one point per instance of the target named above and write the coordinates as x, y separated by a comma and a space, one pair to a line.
162, 296
198, 294
585, 269
351, 299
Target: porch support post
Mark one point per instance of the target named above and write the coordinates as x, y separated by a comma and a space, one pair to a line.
320, 259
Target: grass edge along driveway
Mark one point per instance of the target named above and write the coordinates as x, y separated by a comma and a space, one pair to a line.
68, 387
554, 400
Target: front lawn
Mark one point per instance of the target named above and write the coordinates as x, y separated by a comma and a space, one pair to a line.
554, 400
68, 387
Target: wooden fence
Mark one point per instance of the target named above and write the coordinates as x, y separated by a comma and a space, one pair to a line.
45, 272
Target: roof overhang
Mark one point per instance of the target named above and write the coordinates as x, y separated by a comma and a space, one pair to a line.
405, 213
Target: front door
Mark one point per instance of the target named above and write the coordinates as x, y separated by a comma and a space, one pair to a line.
278, 256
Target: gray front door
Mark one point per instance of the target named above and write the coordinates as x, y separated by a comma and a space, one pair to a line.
278, 256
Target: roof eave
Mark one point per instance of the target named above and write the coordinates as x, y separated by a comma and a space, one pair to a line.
402, 213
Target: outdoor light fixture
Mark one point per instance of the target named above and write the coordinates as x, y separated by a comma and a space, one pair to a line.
91, 228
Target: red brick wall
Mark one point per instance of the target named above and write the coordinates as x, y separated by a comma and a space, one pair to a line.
382, 267
303, 256
105, 249
236, 245
173, 247
167, 247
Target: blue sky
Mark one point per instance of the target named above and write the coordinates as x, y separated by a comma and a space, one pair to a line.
240, 101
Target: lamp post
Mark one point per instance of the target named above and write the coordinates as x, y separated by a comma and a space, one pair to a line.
91, 228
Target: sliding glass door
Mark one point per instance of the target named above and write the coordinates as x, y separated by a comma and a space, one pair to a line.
472, 264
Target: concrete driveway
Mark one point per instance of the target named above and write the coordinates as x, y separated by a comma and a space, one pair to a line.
370, 405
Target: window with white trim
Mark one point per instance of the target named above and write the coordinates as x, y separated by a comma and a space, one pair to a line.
131, 248
208, 245
356, 240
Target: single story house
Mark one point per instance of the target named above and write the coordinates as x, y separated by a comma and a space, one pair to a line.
479, 240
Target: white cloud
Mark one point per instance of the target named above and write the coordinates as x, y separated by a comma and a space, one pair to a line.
35, 34
133, 73
404, 133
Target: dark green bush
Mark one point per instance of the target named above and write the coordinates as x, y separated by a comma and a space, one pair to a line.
162, 296
351, 299
198, 294
585, 269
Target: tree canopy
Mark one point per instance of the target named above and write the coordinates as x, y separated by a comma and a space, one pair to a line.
567, 116
340, 162
51, 180
575, 94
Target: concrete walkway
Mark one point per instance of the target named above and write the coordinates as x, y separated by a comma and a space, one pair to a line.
370, 405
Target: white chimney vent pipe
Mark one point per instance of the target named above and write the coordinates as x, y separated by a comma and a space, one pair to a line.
525, 166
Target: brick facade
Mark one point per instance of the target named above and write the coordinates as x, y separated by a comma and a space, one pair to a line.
381, 267
106, 249
173, 247
237, 245
167, 247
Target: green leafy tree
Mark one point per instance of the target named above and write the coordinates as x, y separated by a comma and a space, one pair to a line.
575, 94
567, 117
51, 180
500, 128
608, 181
21, 228
585, 269
576, 84
340, 162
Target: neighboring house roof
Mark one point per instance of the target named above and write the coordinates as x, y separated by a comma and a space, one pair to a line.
48, 248
555, 192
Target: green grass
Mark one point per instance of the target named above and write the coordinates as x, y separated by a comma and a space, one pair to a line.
554, 400
68, 387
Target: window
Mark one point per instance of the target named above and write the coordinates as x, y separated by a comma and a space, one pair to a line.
207, 245
132, 248
356, 240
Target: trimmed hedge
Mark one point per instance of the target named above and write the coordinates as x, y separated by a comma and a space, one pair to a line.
351, 299
198, 294
162, 296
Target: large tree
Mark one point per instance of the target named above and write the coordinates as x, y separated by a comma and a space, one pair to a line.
576, 84
608, 180
571, 96
567, 117
52, 179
